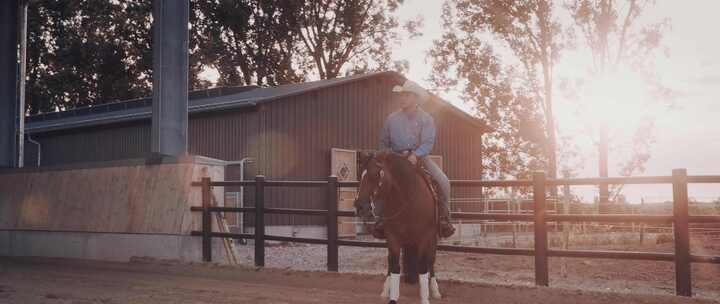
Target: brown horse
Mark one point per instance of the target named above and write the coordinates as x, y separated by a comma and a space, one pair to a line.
410, 219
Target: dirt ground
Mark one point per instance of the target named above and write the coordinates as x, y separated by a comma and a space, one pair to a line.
605, 275
42, 280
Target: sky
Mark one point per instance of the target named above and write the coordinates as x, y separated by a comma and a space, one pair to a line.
686, 134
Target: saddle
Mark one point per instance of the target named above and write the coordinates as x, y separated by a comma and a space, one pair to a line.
433, 186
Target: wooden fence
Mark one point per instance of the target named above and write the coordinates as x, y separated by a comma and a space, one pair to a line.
680, 219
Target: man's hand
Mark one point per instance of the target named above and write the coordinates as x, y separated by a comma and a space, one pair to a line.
412, 159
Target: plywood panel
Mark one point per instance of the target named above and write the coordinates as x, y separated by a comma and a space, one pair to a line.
343, 164
346, 198
126, 199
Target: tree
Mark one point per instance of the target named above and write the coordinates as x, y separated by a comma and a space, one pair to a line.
463, 61
616, 38
614, 35
83, 52
533, 34
75, 55
530, 31
284, 41
335, 33
249, 42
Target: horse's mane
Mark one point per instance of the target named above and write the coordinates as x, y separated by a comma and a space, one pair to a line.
404, 174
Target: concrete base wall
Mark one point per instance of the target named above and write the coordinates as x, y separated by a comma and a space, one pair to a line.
108, 211
106, 246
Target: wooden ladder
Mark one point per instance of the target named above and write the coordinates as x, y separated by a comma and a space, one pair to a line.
228, 243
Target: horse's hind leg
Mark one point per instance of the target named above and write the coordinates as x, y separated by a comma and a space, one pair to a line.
434, 288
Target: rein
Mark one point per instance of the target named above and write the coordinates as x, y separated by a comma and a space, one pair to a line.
405, 203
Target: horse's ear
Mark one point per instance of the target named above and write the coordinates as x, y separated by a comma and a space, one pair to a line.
364, 157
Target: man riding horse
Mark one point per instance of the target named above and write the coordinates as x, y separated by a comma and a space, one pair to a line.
411, 132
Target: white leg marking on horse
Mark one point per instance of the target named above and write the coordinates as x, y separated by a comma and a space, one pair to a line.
386, 288
394, 286
434, 289
424, 292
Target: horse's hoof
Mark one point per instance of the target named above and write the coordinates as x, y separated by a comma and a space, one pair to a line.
437, 296
435, 289
386, 288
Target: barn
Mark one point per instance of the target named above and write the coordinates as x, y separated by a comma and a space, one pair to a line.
287, 132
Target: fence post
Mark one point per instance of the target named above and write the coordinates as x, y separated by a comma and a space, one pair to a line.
260, 220
566, 228
206, 220
515, 210
332, 224
541, 245
683, 277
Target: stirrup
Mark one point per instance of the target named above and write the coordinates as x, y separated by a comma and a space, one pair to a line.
446, 229
378, 230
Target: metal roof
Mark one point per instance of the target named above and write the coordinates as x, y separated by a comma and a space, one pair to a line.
199, 101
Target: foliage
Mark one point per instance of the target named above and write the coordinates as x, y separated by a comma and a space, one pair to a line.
462, 60
570, 161
83, 52
248, 42
335, 33
515, 98
613, 32
531, 31
615, 36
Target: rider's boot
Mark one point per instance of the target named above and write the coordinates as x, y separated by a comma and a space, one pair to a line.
379, 229
446, 229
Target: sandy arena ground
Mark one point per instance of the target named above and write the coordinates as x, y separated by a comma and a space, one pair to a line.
622, 276
36, 280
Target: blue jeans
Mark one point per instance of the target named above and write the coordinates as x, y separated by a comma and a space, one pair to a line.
438, 175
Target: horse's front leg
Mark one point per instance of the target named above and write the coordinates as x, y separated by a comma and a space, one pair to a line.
425, 269
391, 288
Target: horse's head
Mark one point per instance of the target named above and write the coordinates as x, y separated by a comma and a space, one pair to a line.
372, 165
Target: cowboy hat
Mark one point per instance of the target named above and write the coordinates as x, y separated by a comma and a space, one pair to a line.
411, 87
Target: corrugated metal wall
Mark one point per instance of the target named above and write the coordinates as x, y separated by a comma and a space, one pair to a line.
290, 138
91, 144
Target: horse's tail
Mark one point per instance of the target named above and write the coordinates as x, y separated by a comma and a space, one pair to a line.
410, 262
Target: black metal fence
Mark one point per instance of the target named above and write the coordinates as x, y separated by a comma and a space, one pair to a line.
680, 220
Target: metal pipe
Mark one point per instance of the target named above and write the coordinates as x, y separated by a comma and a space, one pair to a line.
239, 219
22, 27
39, 147
240, 201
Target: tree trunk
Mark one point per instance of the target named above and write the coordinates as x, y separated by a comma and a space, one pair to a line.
550, 126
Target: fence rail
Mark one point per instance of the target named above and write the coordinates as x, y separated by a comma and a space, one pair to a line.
680, 219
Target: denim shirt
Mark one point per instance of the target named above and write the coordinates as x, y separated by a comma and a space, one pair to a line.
403, 131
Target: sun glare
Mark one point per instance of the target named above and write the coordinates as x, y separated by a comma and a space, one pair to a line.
619, 100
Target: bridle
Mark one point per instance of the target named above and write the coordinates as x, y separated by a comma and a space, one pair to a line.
378, 187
